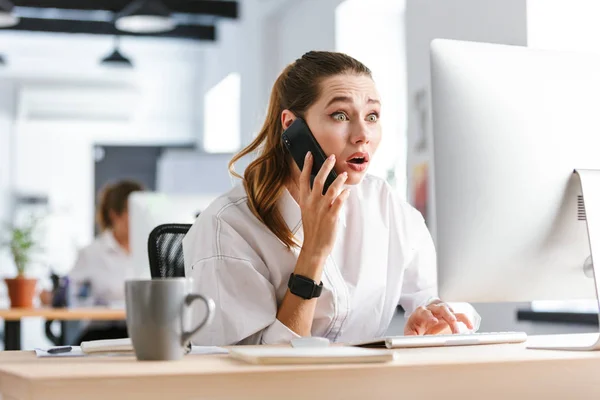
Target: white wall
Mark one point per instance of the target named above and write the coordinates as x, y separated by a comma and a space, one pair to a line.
189, 172
240, 48
300, 27
577, 30
7, 113
6, 133
489, 21
380, 45
166, 74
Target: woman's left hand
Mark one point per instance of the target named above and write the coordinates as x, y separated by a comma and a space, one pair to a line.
434, 319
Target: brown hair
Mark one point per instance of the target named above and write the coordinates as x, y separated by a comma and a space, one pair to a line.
296, 89
114, 198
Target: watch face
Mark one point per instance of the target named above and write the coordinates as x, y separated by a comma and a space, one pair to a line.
302, 286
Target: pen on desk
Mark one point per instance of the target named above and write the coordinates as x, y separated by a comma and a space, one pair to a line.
58, 350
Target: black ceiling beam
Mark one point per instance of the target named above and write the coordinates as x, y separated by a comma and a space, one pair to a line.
218, 8
194, 32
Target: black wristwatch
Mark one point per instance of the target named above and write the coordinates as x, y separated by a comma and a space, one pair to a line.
304, 287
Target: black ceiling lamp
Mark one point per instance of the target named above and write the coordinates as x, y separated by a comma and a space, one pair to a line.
116, 59
7, 16
145, 16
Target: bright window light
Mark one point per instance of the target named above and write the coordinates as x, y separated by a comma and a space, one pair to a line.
222, 116
563, 25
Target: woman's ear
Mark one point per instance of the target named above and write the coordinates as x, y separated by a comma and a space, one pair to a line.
287, 117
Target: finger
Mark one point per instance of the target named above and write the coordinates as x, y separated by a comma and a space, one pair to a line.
442, 312
336, 187
339, 202
420, 321
464, 319
440, 328
321, 177
305, 175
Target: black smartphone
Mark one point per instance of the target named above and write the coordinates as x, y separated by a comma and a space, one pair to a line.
299, 140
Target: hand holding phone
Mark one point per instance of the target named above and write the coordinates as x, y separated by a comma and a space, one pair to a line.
299, 140
321, 197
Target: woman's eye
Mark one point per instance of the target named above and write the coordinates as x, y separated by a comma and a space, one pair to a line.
372, 117
340, 116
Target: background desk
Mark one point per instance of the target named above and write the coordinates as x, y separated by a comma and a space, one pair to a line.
12, 319
487, 372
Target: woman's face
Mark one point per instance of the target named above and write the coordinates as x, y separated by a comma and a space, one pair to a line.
120, 224
345, 122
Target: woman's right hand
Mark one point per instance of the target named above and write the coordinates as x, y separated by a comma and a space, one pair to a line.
319, 212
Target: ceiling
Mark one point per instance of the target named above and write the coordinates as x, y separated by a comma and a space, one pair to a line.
196, 19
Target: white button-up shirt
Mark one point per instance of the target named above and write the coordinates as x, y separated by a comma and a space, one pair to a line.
106, 266
383, 256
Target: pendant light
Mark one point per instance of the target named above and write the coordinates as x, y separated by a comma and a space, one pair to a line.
145, 16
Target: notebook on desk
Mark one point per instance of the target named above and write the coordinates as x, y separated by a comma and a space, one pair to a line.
107, 346
309, 355
125, 346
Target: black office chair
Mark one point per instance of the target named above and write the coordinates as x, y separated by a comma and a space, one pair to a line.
165, 251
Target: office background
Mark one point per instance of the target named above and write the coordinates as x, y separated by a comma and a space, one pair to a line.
194, 102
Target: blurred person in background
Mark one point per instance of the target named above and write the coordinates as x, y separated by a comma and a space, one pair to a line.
101, 269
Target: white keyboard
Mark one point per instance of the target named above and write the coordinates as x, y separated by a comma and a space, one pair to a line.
463, 339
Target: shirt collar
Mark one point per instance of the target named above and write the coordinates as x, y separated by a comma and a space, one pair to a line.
292, 215
290, 211
109, 241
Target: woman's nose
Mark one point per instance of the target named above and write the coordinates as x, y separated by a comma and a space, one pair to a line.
360, 134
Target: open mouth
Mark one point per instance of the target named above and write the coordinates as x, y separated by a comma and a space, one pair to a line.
357, 160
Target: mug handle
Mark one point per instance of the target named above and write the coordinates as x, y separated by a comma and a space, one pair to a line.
210, 313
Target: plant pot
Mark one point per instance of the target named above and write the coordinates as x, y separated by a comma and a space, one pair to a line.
21, 291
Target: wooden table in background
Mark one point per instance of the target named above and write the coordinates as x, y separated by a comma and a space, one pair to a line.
12, 319
508, 371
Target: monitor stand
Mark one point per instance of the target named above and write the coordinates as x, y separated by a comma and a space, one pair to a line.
590, 189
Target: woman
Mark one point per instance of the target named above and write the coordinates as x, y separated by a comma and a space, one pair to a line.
263, 250
99, 274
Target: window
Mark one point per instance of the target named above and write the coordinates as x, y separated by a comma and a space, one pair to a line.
222, 116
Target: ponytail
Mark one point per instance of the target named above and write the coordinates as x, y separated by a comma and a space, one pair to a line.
265, 177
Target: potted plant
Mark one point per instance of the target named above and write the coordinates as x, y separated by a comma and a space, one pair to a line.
22, 245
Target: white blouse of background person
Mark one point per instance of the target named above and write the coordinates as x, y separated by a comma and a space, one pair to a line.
106, 265
383, 256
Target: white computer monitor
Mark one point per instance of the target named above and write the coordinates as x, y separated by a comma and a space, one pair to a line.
510, 125
150, 209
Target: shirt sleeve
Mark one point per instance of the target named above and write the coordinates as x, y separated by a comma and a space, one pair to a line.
246, 306
80, 271
226, 268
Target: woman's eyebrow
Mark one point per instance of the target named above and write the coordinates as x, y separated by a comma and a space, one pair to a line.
340, 99
348, 99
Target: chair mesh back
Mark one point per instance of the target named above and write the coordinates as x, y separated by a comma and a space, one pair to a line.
165, 251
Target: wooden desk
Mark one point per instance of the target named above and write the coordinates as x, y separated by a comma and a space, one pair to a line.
487, 372
12, 319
